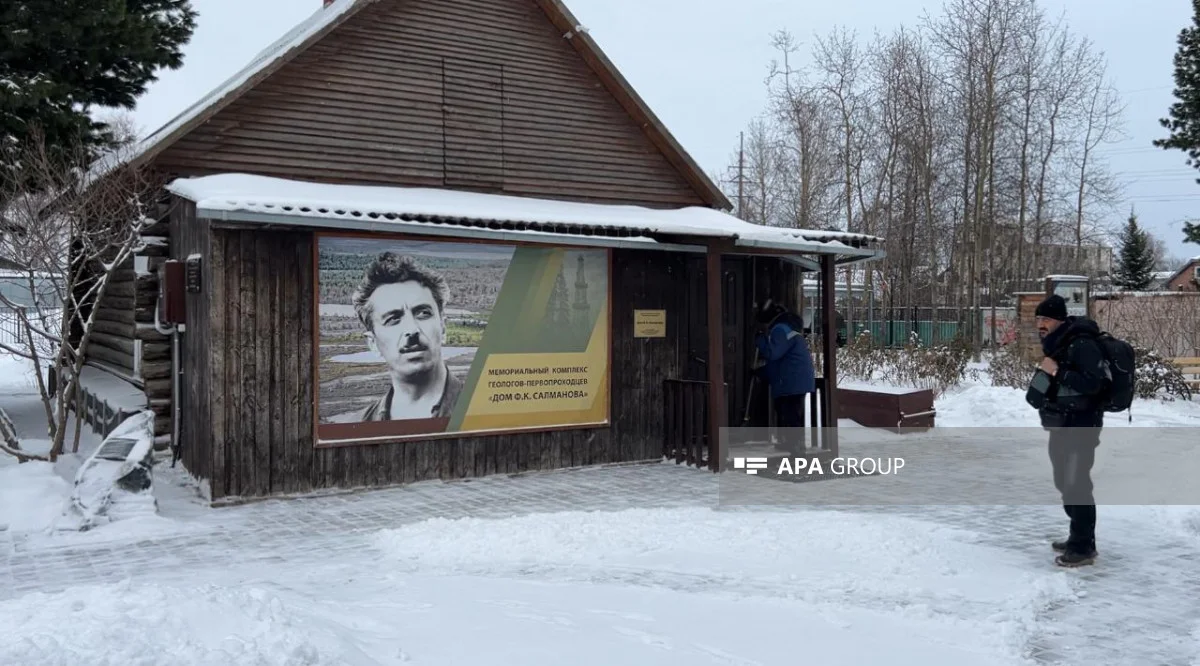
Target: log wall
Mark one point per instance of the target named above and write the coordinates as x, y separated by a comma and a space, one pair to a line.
125, 322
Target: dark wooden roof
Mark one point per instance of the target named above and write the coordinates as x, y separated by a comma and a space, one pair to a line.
329, 18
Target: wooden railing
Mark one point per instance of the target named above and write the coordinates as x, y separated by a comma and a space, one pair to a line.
685, 422
1189, 367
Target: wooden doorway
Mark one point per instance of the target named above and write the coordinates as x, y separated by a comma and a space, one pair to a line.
737, 301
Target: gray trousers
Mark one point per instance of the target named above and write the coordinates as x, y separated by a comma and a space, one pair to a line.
1072, 454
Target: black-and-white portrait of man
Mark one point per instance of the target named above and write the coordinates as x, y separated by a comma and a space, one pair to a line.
401, 305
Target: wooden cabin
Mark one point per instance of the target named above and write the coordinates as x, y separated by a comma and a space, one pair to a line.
591, 300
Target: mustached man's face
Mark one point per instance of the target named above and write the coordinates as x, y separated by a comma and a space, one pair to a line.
408, 331
1046, 326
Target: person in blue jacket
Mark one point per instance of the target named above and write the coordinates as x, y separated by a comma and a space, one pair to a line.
787, 368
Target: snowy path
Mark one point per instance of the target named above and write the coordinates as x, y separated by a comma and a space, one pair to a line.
353, 564
1139, 605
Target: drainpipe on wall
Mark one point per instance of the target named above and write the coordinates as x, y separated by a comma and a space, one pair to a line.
172, 331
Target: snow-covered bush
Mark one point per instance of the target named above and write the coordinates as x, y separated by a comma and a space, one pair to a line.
1009, 368
937, 368
860, 359
1155, 376
1158, 377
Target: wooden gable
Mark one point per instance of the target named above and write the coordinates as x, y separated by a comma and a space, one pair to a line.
483, 95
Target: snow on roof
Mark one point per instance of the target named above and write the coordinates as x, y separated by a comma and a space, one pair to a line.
217, 195
1062, 278
285, 45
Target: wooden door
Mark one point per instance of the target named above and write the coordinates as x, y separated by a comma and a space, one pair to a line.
695, 361
736, 321
736, 331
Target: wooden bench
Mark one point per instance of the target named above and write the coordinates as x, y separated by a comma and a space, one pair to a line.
1189, 366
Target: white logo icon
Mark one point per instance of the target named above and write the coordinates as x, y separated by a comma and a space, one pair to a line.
751, 465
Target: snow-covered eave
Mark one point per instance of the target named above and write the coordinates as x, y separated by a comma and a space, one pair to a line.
252, 199
374, 223
809, 247
466, 228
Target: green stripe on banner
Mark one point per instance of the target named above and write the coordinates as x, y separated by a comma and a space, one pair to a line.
503, 324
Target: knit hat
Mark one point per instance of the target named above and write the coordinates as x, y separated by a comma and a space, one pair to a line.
770, 311
1054, 307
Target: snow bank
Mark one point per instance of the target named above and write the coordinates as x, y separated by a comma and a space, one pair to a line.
116, 392
978, 406
31, 497
899, 568
126, 624
16, 376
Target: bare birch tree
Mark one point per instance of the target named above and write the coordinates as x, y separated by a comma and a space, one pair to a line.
839, 60
1098, 122
69, 240
970, 142
806, 141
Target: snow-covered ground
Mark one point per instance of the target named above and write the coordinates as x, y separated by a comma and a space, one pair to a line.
627, 565
669, 586
975, 405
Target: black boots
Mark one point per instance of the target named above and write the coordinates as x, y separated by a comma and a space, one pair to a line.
1073, 557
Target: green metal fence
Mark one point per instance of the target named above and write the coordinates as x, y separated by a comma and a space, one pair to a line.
896, 333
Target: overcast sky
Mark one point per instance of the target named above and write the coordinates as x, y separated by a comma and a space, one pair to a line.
703, 71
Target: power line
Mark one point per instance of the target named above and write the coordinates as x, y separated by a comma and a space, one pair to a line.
1150, 89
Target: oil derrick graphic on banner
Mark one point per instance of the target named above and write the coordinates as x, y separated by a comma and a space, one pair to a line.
581, 315
558, 312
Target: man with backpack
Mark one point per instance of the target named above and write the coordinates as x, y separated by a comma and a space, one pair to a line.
787, 368
1071, 390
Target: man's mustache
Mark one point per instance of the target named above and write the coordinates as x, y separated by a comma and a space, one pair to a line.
414, 347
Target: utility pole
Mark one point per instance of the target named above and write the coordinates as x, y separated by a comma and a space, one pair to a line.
741, 174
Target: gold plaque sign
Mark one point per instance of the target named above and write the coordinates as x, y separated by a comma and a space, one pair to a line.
649, 323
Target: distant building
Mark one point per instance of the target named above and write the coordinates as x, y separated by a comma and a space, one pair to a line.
1187, 278
1018, 264
1159, 279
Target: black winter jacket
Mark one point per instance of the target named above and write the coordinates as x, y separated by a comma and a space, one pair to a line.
1074, 396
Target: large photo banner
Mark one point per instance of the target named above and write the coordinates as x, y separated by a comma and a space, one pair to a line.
422, 338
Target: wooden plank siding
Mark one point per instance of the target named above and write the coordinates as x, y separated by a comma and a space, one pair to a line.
191, 236
259, 369
399, 95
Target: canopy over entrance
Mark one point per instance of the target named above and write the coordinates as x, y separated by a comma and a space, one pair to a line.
264, 202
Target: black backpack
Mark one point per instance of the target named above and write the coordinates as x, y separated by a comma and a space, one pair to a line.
1122, 362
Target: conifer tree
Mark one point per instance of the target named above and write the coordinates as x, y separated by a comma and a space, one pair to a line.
1135, 268
1183, 122
1191, 232
60, 60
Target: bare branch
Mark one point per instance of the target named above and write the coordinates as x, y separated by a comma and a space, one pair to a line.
72, 223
